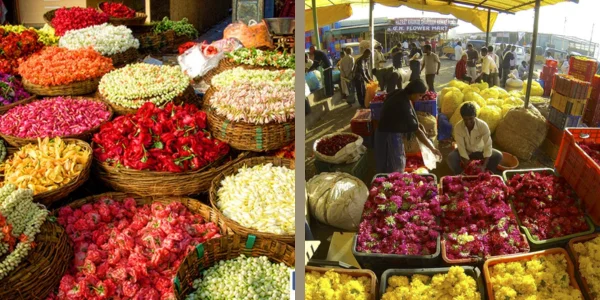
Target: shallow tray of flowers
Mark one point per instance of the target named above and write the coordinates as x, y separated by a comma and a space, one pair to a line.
585, 253
359, 283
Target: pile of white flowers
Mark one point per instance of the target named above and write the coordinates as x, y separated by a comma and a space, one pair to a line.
243, 278
255, 96
106, 39
260, 198
18, 210
136, 84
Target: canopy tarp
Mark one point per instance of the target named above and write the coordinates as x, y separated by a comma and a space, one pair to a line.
327, 15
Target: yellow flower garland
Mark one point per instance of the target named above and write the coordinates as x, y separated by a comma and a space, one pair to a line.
336, 286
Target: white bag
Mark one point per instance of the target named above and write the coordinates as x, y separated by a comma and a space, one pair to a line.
195, 64
429, 158
349, 154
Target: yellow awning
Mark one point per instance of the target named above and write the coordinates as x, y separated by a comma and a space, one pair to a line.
327, 15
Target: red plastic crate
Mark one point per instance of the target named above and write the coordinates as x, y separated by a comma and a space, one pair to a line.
361, 123
580, 171
582, 68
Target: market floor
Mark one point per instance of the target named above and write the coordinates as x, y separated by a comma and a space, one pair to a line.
338, 120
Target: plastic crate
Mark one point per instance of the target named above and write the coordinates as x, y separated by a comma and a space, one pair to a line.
537, 245
582, 282
578, 168
429, 106
470, 271
521, 257
352, 273
555, 134
376, 109
562, 120
566, 105
410, 155
361, 123
582, 68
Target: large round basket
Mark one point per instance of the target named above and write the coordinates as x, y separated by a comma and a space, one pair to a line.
225, 248
139, 18
73, 89
232, 170
250, 137
156, 42
150, 183
228, 64
84, 136
195, 206
40, 272
187, 96
48, 16
128, 56
5, 108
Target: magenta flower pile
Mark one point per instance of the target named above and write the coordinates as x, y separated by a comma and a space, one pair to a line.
477, 221
400, 216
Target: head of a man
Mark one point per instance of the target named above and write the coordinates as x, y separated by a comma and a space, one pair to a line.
413, 46
468, 112
484, 51
348, 50
312, 50
513, 48
378, 48
427, 49
459, 43
367, 53
470, 46
490, 49
342, 54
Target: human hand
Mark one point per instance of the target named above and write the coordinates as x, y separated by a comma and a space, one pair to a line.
436, 152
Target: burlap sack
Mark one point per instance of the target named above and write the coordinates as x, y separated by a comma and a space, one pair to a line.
521, 132
429, 122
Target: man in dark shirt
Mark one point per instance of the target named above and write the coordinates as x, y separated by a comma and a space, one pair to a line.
472, 59
320, 58
506, 68
397, 57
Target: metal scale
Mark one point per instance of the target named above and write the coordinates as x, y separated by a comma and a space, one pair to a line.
282, 30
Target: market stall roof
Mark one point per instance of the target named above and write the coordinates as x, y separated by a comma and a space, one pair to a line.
327, 14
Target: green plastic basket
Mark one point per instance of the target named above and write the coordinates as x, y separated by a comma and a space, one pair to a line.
537, 245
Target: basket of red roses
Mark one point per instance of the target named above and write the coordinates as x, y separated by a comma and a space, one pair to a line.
71, 18
477, 221
147, 153
68, 117
58, 71
250, 253
121, 14
153, 234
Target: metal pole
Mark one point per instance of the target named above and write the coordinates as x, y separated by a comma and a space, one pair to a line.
316, 25
533, 46
487, 32
590, 45
372, 31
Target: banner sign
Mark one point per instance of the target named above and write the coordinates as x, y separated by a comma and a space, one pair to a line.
422, 24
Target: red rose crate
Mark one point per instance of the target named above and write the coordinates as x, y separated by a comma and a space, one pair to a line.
361, 123
580, 170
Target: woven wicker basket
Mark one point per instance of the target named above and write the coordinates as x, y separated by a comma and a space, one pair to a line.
120, 59
232, 170
40, 272
250, 137
226, 248
72, 89
84, 136
156, 42
228, 64
5, 108
48, 16
188, 96
140, 18
149, 183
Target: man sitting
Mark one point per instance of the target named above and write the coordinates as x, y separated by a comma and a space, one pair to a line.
474, 142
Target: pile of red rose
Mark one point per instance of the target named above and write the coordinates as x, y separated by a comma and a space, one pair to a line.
15, 46
170, 139
72, 18
400, 216
52, 117
331, 145
379, 97
429, 95
593, 150
414, 162
477, 220
546, 205
117, 10
126, 251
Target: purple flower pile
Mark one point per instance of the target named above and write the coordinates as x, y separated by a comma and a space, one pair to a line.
11, 90
400, 216
477, 221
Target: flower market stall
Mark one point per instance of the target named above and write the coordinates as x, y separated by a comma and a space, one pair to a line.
123, 172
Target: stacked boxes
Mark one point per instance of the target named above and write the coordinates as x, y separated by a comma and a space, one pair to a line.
568, 100
591, 116
582, 68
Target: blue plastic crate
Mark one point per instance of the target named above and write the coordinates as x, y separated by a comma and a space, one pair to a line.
376, 108
561, 120
429, 106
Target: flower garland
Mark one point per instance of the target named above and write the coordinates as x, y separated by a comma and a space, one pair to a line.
16, 46
46, 34
59, 66
106, 39
172, 139
11, 90
20, 221
255, 96
136, 84
66, 19
256, 57
52, 117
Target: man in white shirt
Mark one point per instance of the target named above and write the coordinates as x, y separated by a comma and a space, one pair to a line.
458, 50
474, 141
488, 66
405, 45
346, 66
565, 66
513, 62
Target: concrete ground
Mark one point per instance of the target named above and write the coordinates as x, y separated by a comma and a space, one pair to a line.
331, 115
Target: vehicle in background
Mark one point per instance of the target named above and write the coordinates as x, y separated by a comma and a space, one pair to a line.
520, 51
447, 50
477, 44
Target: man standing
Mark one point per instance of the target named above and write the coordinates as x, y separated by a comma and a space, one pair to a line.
379, 58
565, 66
506, 61
320, 59
499, 55
513, 62
474, 142
458, 50
346, 66
415, 62
494, 79
487, 66
472, 59
433, 45
431, 64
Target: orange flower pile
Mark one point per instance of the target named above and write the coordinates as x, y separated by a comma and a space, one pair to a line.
59, 66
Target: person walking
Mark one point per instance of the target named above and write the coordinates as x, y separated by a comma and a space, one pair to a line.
472, 59
431, 64
346, 67
458, 51
362, 77
506, 68
494, 73
415, 63
321, 59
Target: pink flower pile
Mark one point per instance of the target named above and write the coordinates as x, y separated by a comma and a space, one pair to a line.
477, 220
400, 216
52, 117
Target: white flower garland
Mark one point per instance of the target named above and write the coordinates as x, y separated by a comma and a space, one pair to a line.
105, 39
136, 84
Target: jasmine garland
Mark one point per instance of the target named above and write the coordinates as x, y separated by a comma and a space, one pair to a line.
105, 39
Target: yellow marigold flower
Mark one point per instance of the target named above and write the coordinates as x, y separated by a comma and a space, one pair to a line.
336, 286
453, 285
398, 281
589, 262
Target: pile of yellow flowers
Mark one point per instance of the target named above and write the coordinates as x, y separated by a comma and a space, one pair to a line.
45, 34
336, 286
542, 277
453, 285
48, 165
589, 262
